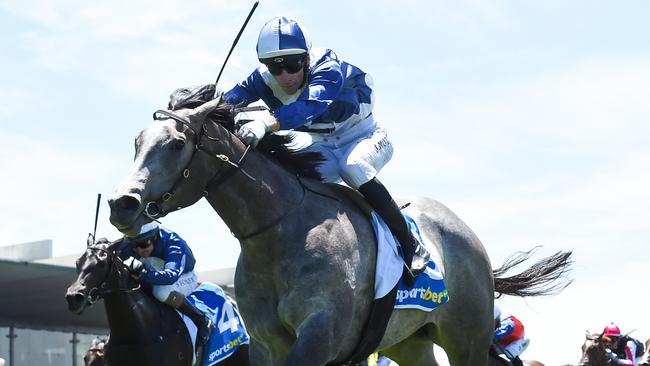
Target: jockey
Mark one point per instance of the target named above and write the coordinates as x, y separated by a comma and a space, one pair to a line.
160, 258
509, 336
622, 350
327, 103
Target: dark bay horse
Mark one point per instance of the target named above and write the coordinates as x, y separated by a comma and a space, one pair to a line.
593, 351
305, 276
143, 331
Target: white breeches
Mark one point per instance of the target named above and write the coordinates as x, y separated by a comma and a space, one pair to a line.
515, 348
354, 156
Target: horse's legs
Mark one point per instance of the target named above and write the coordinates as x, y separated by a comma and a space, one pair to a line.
415, 350
464, 347
315, 338
239, 358
259, 355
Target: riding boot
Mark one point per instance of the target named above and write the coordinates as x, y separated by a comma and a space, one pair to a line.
415, 255
204, 324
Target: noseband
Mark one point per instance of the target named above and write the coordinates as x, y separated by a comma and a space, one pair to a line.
153, 209
99, 291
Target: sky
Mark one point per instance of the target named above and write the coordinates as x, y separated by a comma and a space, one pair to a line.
529, 119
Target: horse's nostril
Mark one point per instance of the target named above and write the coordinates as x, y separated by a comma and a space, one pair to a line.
127, 203
75, 301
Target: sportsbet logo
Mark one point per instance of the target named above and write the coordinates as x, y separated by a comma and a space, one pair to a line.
421, 293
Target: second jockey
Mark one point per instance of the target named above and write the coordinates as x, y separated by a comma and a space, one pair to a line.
326, 103
621, 350
509, 336
158, 257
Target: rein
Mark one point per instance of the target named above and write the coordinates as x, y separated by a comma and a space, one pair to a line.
99, 291
278, 219
153, 209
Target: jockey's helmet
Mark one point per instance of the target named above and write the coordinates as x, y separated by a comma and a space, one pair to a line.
612, 330
282, 36
148, 231
497, 311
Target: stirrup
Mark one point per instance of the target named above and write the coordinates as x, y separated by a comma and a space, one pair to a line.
420, 259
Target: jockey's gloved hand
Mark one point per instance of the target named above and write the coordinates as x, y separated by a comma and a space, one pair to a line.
134, 266
252, 132
612, 356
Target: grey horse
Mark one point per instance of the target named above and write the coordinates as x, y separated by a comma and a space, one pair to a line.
305, 275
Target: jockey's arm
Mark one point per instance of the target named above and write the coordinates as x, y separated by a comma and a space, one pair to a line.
325, 85
174, 266
125, 252
243, 93
630, 353
629, 359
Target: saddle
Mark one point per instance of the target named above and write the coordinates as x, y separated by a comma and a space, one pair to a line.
353, 195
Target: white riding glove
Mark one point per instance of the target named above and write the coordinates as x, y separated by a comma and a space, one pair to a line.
134, 266
252, 132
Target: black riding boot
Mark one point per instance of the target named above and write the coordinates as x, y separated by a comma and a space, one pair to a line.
415, 255
203, 323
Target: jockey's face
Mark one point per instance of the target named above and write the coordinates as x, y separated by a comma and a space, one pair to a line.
290, 74
144, 249
290, 83
611, 342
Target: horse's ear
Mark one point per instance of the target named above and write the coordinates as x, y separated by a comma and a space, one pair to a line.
199, 114
91, 240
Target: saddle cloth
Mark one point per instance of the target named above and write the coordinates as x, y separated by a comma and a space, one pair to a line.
429, 290
229, 331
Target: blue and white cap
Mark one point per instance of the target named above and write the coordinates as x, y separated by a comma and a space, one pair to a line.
282, 36
147, 231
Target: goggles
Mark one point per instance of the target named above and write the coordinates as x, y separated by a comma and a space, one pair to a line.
292, 64
142, 244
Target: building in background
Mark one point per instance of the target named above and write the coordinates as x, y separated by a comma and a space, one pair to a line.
36, 327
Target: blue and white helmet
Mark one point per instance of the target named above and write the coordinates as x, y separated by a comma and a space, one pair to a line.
282, 36
147, 231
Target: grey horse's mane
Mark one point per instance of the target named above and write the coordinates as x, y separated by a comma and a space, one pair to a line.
274, 146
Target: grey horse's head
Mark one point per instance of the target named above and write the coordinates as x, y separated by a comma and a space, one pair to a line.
164, 158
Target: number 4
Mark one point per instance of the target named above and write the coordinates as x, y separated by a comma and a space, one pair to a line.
228, 319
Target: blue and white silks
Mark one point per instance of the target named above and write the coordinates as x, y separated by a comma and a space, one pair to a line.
429, 290
229, 332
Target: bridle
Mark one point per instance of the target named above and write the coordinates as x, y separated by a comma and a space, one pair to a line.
597, 345
99, 291
153, 209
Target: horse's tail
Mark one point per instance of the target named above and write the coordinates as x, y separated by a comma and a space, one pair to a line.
547, 276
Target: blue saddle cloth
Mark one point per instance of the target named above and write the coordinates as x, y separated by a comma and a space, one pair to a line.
429, 290
229, 330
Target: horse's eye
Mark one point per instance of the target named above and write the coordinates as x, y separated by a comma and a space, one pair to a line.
179, 144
